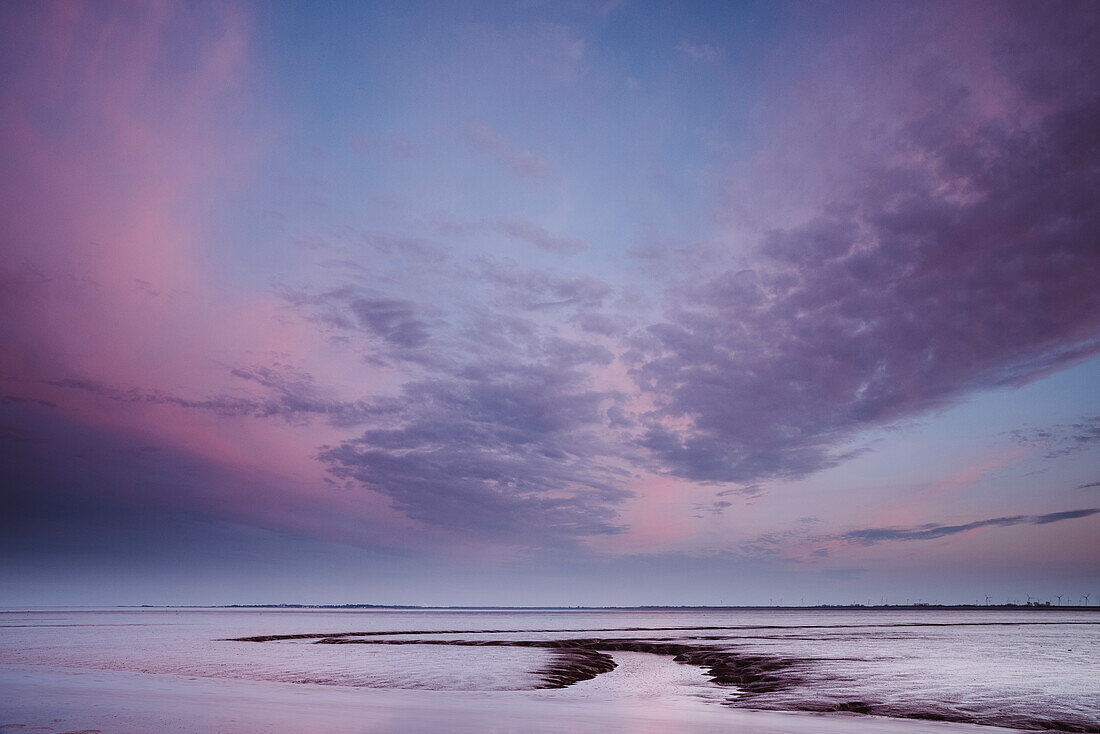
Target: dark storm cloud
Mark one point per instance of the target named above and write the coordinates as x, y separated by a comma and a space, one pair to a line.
80, 503
870, 536
58, 466
973, 266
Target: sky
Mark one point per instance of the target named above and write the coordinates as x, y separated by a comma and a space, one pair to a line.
549, 303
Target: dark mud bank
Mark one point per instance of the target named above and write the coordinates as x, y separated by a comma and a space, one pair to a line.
750, 676
584, 658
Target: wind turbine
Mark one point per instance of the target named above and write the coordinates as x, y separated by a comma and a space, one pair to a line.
1086, 598
1059, 598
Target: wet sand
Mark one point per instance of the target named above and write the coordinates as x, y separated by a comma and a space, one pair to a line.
742, 676
112, 702
776, 672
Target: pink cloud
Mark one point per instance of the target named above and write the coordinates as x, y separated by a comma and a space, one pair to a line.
116, 137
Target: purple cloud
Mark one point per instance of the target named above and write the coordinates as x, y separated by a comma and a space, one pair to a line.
870, 536
394, 320
498, 432
295, 400
498, 448
956, 252
1063, 439
532, 289
969, 262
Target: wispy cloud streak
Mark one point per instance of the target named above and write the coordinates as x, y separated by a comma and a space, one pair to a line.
871, 536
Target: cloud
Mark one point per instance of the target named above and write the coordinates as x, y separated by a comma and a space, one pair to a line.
810, 544
521, 229
701, 52
717, 507
532, 289
296, 400
871, 536
519, 161
497, 448
1062, 439
415, 249
770, 544
394, 320
750, 490
598, 323
517, 229
67, 482
964, 259
960, 256
497, 431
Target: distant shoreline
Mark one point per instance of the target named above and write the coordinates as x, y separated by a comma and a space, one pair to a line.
862, 607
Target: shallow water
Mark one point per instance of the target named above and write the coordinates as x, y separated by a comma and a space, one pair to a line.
137, 668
